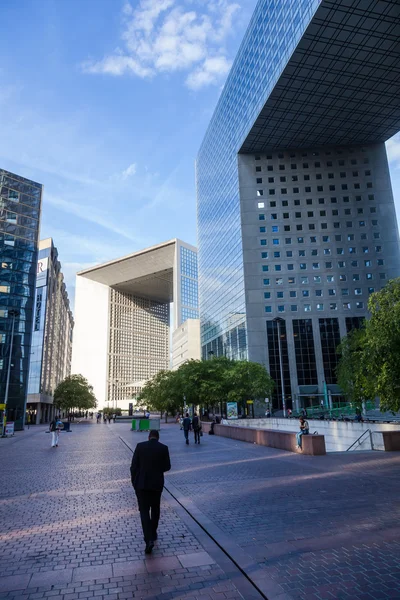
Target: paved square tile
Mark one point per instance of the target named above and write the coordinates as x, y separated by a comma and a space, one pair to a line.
199, 559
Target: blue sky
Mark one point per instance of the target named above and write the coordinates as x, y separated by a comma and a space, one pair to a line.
106, 103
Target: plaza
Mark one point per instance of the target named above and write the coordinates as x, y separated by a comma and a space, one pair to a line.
238, 521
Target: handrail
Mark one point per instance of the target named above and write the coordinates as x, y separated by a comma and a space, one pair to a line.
358, 439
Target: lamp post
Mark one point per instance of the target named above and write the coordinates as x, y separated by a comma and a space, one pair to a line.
11, 313
279, 322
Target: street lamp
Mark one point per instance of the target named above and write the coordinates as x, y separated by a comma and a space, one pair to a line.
279, 322
14, 314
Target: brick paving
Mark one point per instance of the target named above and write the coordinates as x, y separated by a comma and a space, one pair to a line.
70, 528
304, 528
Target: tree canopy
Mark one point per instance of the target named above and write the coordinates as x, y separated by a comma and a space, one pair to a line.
74, 392
207, 382
369, 366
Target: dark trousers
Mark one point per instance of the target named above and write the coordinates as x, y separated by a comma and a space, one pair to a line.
186, 434
197, 435
149, 502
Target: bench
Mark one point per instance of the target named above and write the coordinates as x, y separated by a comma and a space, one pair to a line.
313, 445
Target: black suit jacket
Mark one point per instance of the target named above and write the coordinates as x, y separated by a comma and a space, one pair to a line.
149, 463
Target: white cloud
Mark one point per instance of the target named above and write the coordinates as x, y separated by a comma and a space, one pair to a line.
131, 170
393, 150
161, 36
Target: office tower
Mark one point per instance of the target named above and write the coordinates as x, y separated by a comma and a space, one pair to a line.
20, 205
296, 218
122, 315
186, 343
51, 337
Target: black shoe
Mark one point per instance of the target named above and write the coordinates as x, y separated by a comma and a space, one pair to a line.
149, 547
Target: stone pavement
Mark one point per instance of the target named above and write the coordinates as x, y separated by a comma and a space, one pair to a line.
302, 527
70, 528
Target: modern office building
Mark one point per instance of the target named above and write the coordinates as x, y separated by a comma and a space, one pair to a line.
51, 337
20, 205
122, 315
296, 219
186, 343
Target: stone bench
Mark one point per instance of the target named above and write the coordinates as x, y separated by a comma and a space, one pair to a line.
284, 440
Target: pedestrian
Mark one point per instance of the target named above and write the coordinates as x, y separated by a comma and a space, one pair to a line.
304, 430
304, 412
196, 428
114, 417
149, 463
289, 413
98, 417
55, 431
187, 425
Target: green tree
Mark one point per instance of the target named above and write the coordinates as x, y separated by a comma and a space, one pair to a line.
74, 393
351, 371
163, 393
248, 381
369, 366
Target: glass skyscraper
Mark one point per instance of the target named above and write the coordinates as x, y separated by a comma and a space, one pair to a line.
296, 216
20, 204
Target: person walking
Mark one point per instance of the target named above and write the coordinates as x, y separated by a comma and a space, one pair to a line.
187, 425
304, 430
149, 463
196, 428
55, 432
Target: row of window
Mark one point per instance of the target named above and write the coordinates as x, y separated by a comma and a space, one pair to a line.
317, 265
312, 239
318, 293
322, 213
303, 266
320, 306
327, 252
305, 280
320, 188
317, 164
318, 177
309, 201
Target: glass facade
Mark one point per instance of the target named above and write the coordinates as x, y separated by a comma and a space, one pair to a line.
274, 364
330, 339
20, 204
189, 305
305, 352
273, 34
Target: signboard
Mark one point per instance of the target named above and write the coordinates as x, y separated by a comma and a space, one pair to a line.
9, 428
232, 410
2, 406
38, 313
250, 401
41, 273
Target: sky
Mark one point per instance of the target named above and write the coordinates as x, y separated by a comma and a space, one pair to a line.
106, 102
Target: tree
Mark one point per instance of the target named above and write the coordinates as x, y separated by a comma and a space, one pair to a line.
369, 366
351, 371
74, 392
248, 381
163, 392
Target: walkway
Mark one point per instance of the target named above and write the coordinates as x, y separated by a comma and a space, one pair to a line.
299, 528
70, 528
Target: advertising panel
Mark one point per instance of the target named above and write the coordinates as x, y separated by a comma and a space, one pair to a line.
232, 410
42, 269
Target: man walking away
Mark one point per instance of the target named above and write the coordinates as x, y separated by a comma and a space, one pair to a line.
196, 428
187, 423
149, 463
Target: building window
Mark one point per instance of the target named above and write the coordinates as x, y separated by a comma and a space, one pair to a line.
304, 350
262, 229
267, 295
263, 242
264, 254
268, 309
261, 217
261, 205
265, 268
330, 339
274, 361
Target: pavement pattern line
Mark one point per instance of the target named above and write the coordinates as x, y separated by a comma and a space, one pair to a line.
89, 545
198, 524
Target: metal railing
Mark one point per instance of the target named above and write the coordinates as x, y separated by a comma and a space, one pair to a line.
358, 440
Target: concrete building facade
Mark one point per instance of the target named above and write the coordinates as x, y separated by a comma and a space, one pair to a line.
296, 218
122, 312
186, 343
20, 209
51, 335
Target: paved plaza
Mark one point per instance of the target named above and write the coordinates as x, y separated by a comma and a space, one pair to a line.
238, 521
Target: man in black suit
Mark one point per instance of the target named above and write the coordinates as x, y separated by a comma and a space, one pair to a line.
149, 463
